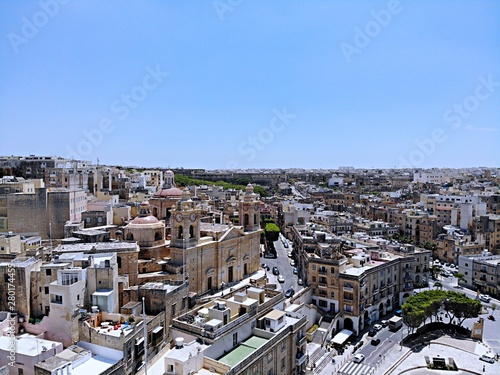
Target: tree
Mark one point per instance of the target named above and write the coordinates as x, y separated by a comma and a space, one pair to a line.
272, 232
460, 277
428, 304
435, 271
438, 284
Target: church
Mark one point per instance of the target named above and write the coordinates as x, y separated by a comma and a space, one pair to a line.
215, 255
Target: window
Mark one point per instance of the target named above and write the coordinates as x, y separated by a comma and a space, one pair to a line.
6, 277
282, 364
173, 309
269, 357
283, 346
46, 290
58, 299
170, 368
48, 272
235, 339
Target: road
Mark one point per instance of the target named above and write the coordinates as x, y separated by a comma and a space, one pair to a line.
388, 339
283, 264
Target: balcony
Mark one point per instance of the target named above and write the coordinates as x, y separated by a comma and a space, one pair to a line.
348, 288
348, 297
300, 358
322, 271
301, 340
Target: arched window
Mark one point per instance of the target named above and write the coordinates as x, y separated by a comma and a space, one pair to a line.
157, 236
180, 232
191, 231
119, 261
245, 220
130, 237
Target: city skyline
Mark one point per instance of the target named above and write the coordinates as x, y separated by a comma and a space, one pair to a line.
229, 85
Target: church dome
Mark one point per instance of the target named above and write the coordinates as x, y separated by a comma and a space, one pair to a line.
141, 220
172, 192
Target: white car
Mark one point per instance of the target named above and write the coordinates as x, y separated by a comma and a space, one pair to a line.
358, 358
281, 279
292, 263
484, 298
488, 357
377, 327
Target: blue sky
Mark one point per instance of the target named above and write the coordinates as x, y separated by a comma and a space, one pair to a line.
252, 84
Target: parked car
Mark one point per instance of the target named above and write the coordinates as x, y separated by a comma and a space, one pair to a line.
488, 357
289, 254
281, 279
289, 293
375, 341
484, 298
295, 270
358, 358
285, 244
300, 282
372, 332
292, 263
276, 271
377, 327
384, 323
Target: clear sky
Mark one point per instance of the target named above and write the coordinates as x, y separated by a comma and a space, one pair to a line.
252, 84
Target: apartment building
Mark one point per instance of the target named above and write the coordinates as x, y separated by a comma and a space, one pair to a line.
375, 228
418, 225
487, 231
481, 272
246, 332
355, 280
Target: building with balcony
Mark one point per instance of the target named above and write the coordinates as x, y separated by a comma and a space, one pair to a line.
246, 332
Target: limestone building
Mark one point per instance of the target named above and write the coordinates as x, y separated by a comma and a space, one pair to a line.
215, 255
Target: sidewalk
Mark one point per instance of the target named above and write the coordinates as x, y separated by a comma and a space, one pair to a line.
410, 361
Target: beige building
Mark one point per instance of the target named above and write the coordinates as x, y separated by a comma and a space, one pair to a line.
248, 331
215, 255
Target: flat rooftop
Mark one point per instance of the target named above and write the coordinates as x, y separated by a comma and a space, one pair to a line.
97, 246
28, 345
243, 350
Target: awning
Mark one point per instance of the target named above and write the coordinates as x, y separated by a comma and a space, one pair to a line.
157, 329
342, 337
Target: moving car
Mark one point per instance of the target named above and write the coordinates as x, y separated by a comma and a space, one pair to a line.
289, 293
384, 323
265, 266
488, 357
377, 327
375, 342
358, 358
281, 279
276, 271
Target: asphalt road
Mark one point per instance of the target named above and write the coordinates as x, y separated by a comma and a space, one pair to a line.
283, 264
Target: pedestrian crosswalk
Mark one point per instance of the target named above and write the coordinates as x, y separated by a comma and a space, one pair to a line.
351, 368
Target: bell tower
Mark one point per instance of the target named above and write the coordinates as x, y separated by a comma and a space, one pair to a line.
249, 210
185, 222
